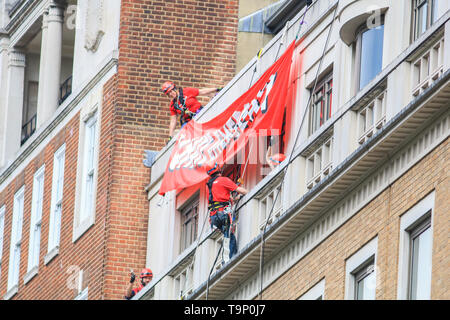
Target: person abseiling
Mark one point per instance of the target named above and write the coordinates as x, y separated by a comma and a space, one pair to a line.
219, 205
183, 103
146, 276
273, 159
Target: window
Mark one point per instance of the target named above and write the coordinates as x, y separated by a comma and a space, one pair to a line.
189, 224
420, 261
36, 219
364, 279
322, 100
360, 274
16, 239
89, 161
57, 196
415, 256
369, 54
2, 232
315, 293
426, 12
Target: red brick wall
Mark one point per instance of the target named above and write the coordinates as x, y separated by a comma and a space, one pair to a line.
189, 42
53, 280
192, 43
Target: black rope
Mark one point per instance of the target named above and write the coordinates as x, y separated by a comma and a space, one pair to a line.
214, 264
291, 154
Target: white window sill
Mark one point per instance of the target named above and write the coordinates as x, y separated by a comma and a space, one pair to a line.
83, 295
30, 274
81, 229
51, 254
11, 292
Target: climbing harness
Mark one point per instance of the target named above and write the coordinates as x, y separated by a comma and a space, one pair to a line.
295, 143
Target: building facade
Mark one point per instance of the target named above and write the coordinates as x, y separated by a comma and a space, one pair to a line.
359, 210
80, 102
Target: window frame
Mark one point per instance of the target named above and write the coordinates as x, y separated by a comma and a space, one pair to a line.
2, 233
82, 220
358, 52
317, 292
415, 231
192, 204
325, 87
54, 235
89, 168
36, 219
363, 272
409, 221
16, 240
365, 256
430, 16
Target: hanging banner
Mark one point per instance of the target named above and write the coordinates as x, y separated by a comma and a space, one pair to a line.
259, 111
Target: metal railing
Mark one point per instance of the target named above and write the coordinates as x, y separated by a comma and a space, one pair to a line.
28, 129
65, 90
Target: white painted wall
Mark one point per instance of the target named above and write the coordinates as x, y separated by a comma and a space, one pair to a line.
87, 62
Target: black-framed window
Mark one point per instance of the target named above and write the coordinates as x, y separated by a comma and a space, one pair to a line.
420, 260
189, 223
369, 53
365, 281
322, 101
425, 13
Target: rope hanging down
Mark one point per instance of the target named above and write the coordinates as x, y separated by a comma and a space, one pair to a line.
245, 166
234, 212
293, 148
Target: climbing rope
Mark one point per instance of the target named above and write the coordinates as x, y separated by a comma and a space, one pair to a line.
261, 267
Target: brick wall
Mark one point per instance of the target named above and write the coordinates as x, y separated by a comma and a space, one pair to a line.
192, 43
381, 217
54, 280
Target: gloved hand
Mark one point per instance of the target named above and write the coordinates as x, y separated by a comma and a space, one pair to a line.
189, 113
218, 89
168, 140
133, 277
240, 182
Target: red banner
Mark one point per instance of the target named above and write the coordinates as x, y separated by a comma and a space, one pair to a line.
258, 111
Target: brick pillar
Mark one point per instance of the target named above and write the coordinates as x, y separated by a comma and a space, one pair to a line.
192, 43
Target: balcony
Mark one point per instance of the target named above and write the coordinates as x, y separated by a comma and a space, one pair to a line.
428, 67
65, 90
28, 129
372, 117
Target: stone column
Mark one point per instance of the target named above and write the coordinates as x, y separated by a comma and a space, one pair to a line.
41, 90
12, 124
4, 43
52, 62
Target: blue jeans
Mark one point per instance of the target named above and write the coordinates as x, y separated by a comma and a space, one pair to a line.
222, 221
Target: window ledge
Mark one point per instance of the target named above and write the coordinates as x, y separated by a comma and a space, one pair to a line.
30, 274
51, 254
11, 292
82, 228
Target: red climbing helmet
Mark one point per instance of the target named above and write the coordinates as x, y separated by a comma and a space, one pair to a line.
146, 272
167, 87
278, 158
213, 169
